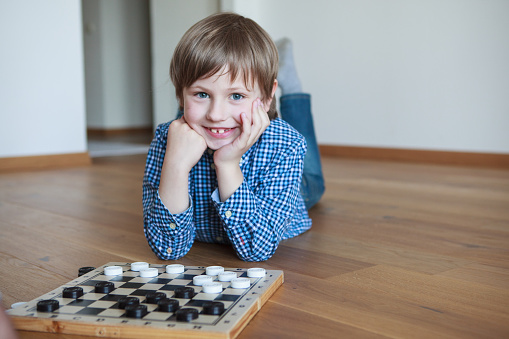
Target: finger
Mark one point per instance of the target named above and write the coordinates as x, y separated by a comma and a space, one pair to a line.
262, 119
244, 136
265, 117
256, 113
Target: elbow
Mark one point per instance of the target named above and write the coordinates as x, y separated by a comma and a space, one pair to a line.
255, 255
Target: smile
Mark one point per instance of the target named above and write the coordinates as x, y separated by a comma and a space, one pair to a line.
219, 131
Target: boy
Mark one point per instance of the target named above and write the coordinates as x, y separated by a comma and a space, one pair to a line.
228, 171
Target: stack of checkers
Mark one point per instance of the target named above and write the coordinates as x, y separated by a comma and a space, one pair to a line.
156, 297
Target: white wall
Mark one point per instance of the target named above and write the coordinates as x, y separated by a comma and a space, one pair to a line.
170, 19
42, 97
117, 63
399, 73
394, 73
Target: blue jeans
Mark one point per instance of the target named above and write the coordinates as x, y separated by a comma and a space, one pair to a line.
296, 110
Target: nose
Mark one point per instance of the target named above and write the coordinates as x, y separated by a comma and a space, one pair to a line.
216, 111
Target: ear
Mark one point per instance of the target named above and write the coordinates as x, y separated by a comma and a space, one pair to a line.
266, 104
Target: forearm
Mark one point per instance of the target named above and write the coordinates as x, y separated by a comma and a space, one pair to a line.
229, 179
173, 188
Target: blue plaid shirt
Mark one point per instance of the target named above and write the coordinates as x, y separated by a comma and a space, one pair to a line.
264, 210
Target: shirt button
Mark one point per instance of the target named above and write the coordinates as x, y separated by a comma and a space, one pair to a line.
210, 151
219, 239
228, 214
169, 250
212, 166
173, 226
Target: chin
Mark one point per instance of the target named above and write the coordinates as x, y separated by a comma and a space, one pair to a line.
216, 145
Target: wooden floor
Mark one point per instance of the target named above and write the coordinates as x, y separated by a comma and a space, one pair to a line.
396, 251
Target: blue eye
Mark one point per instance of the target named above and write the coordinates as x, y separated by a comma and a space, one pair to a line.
237, 96
202, 95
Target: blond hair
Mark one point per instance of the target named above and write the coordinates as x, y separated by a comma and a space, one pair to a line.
226, 39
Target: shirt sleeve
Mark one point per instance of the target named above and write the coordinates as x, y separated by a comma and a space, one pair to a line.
256, 216
169, 235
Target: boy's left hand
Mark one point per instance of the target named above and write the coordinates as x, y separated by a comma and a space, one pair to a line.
253, 125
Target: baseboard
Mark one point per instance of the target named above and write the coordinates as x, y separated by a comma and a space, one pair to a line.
491, 160
107, 132
44, 162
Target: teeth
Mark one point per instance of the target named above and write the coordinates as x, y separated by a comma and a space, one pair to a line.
219, 131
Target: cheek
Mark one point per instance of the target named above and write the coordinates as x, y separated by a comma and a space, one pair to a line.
246, 107
192, 113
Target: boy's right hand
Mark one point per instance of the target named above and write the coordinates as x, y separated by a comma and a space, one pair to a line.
184, 149
184, 146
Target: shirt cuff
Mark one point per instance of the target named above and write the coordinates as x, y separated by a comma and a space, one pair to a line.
237, 208
166, 221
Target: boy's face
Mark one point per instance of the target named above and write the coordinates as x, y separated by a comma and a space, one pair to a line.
212, 107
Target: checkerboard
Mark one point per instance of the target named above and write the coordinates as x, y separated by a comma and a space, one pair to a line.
100, 314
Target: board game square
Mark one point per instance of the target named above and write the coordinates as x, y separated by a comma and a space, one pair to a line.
142, 293
206, 296
181, 282
90, 311
195, 303
131, 274
207, 319
235, 291
112, 312
91, 282
112, 297
121, 278
69, 309
151, 286
227, 297
87, 289
64, 301
161, 281
192, 272
169, 288
168, 275
159, 316
141, 280
92, 296
81, 302
132, 285
123, 291
186, 276
102, 304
